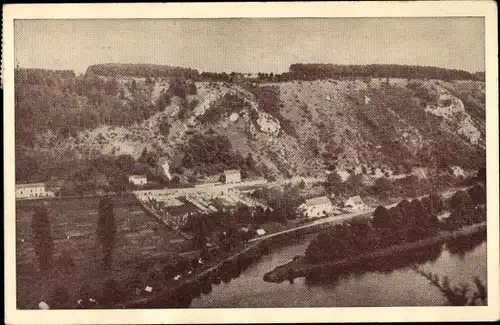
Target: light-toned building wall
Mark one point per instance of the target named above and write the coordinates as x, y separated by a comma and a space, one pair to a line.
31, 191
138, 180
232, 177
318, 210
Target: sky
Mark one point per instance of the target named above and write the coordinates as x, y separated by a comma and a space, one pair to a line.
250, 44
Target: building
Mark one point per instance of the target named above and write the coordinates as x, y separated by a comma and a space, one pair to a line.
232, 176
354, 203
419, 172
457, 171
260, 232
138, 180
316, 207
31, 191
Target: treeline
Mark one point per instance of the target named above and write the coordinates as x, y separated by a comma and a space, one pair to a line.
297, 71
325, 71
383, 188
406, 222
142, 71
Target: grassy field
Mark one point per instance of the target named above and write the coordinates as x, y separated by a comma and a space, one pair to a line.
74, 224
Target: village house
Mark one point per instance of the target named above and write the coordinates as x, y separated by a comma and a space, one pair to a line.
457, 171
232, 176
316, 207
33, 190
138, 180
354, 203
260, 232
420, 172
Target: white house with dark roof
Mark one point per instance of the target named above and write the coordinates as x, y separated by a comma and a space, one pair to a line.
316, 207
138, 180
232, 176
32, 190
354, 203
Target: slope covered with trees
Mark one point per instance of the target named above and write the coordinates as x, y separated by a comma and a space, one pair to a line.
69, 127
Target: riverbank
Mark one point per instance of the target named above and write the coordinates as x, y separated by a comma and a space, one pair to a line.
180, 293
230, 266
299, 267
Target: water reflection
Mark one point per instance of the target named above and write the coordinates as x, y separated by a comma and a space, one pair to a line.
462, 246
384, 282
209, 285
384, 265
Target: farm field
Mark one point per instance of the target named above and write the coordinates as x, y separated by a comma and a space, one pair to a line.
74, 223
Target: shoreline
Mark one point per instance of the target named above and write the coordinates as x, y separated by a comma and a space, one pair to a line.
299, 268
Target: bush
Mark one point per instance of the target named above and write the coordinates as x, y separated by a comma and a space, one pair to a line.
381, 217
477, 194
383, 187
112, 293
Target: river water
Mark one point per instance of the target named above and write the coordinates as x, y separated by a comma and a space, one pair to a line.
397, 285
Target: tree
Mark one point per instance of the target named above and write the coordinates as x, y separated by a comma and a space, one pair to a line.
395, 232
423, 221
119, 182
199, 238
164, 127
459, 199
250, 162
42, 238
106, 228
334, 183
381, 217
437, 203
481, 175
383, 187
112, 293
66, 261
60, 297
302, 185
477, 194
361, 237
462, 208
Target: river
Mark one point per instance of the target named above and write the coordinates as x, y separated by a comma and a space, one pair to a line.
397, 284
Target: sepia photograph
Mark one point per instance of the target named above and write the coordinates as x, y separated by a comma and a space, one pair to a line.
226, 162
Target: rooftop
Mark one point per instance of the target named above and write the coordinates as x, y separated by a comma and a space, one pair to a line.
232, 171
354, 199
138, 176
318, 201
181, 210
30, 185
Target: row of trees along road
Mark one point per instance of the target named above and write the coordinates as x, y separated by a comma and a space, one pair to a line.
43, 241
